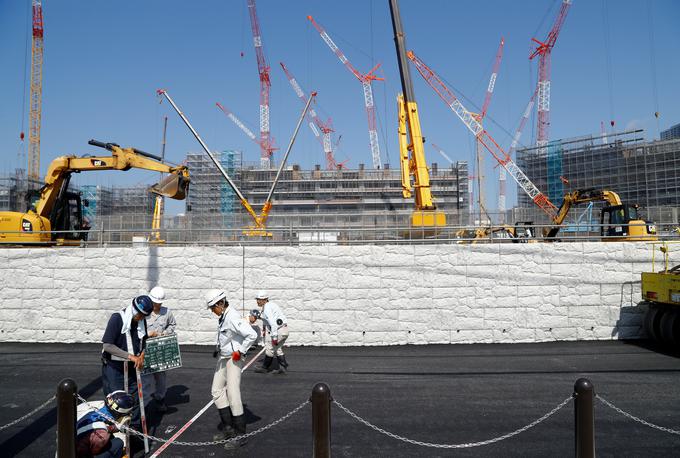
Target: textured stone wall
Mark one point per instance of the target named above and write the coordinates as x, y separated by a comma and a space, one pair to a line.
339, 295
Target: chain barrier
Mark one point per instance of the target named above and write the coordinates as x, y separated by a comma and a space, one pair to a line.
465, 445
633, 417
40, 407
127, 429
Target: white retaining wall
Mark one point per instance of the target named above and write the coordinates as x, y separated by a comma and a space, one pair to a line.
339, 295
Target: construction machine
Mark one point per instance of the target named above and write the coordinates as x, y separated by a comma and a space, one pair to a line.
618, 221
411, 140
56, 214
522, 232
661, 292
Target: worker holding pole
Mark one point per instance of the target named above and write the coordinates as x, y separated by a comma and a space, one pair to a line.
235, 336
123, 353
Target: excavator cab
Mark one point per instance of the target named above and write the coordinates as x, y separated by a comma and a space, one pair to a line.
625, 222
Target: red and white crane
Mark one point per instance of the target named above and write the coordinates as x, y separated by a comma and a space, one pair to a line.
36, 93
266, 142
317, 124
470, 121
244, 128
365, 80
543, 51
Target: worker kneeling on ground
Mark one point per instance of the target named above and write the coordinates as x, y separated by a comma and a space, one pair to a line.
94, 429
274, 333
234, 338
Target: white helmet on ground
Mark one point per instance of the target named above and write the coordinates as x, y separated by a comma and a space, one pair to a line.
214, 296
262, 295
157, 294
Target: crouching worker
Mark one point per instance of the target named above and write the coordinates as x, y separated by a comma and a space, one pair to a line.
94, 429
234, 337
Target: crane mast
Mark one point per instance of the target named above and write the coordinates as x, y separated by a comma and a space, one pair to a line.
483, 136
366, 81
36, 94
317, 124
266, 148
544, 50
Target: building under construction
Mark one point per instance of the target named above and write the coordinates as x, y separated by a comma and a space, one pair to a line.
317, 198
642, 172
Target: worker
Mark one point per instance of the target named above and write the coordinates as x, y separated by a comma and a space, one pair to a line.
95, 428
275, 333
124, 340
234, 338
160, 323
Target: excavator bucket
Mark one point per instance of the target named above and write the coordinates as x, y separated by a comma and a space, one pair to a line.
173, 186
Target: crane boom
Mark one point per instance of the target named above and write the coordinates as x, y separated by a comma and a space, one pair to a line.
366, 81
483, 136
317, 124
265, 85
238, 123
36, 93
492, 79
544, 50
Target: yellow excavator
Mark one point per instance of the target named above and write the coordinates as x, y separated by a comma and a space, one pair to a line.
618, 221
56, 215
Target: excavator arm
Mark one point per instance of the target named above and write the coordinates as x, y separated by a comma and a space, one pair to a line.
174, 186
585, 195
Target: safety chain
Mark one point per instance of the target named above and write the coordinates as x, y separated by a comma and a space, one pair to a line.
127, 429
41, 406
633, 417
465, 445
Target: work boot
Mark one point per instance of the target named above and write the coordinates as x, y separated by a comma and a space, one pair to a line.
240, 430
265, 365
283, 364
226, 425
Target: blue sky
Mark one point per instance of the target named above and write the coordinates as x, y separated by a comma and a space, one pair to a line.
104, 61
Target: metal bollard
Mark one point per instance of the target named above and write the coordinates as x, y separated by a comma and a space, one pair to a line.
66, 418
584, 419
321, 420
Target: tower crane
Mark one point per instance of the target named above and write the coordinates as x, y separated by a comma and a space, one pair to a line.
317, 124
245, 128
266, 143
36, 94
544, 50
483, 136
365, 80
480, 117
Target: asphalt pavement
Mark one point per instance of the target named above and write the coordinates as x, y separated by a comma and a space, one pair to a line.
443, 394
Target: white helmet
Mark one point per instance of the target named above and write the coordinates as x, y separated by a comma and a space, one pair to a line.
262, 295
213, 296
157, 294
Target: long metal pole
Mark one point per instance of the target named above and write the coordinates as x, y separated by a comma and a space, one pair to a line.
290, 145
200, 140
584, 419
321, 420
66, 418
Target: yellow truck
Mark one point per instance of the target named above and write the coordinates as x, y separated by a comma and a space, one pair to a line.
661, 292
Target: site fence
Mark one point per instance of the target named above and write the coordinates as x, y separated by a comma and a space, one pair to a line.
339, 235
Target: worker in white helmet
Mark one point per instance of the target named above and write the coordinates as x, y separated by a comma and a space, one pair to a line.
161, 322
274, 333
234, 337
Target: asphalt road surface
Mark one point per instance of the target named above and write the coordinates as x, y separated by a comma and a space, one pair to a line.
445, 394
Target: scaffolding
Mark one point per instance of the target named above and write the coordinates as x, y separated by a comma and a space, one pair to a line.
641, 172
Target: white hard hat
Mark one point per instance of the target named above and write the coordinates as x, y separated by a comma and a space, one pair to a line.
262, 295
213, 296
157, 294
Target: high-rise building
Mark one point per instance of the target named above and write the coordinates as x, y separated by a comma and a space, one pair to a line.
671, 133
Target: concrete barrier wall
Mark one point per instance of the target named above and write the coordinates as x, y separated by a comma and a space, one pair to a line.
339, 295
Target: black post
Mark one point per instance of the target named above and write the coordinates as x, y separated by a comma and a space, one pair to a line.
584, 419
66, 418
321, 420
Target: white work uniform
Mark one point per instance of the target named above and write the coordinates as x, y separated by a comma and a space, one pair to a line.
233, 334
276, 325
